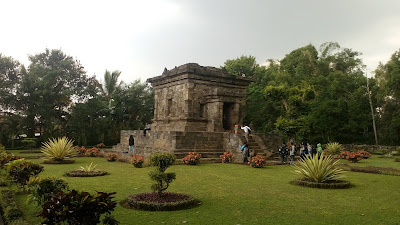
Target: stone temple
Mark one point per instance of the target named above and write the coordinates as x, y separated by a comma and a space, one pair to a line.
196, 109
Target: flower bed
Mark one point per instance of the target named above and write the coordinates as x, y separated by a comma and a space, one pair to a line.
168, 202
331, 184
227, 157
257, 161
192, 159
80, 173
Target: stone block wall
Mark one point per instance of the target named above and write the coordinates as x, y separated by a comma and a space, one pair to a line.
369, 148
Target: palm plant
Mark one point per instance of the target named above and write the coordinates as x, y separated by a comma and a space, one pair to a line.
334, 148
319, 169
58, 149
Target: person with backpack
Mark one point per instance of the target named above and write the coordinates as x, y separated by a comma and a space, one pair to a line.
245, 152
292, 152
283, 152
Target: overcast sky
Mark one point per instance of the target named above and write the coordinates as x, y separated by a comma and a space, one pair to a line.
140, 38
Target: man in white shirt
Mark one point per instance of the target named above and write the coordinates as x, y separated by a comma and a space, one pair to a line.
247, 131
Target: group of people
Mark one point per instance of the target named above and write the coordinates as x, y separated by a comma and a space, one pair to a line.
305, 151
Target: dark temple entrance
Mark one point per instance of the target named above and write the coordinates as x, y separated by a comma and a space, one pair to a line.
227, 118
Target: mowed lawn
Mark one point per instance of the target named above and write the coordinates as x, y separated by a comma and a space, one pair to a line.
238, 194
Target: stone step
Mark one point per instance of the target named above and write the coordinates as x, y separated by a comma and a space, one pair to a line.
198, 150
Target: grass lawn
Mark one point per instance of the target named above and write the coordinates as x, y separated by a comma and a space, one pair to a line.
238, 194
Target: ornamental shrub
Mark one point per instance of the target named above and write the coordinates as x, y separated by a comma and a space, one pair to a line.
43, 189
100, 145
137, 161
93, 152
227, 157
351, 156
111, 157
58, 149
78, 208
20, 171
81, 150
364, 154
192, 159
29, 142
257, 161
318, 169
162, 180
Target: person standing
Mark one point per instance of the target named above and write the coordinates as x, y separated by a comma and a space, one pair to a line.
247, 131
319, 148
283, 152
309, 150
302, 150
245, 152
131, 145
292, 152
236, 128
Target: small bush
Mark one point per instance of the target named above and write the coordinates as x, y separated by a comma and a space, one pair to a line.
78, 207
112, 157
81, 150
137, 161
364, 154
93, 152
20, 171
29, 142
192, 159
351, 156
397, 159
257, 161
227, 157
43, 189
100, 145
58, 149
162, 180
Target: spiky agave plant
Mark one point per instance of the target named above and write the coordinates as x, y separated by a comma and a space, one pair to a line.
334, 148
90, 168
318, 168
58, 149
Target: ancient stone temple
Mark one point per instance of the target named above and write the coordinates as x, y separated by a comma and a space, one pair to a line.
197, 98
196, 109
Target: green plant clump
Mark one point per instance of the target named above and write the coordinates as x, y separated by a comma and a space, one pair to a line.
29, 142
58, 149
79, 208
319, 169
43, 189
334, 148
162, 180
9, 205
20, 171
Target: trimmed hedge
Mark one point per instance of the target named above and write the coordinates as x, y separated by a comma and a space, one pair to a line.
376, 170
79, 173
65, 161
333, 184
169, 201
11, 213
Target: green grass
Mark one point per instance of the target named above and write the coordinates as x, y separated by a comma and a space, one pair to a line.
238, 194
